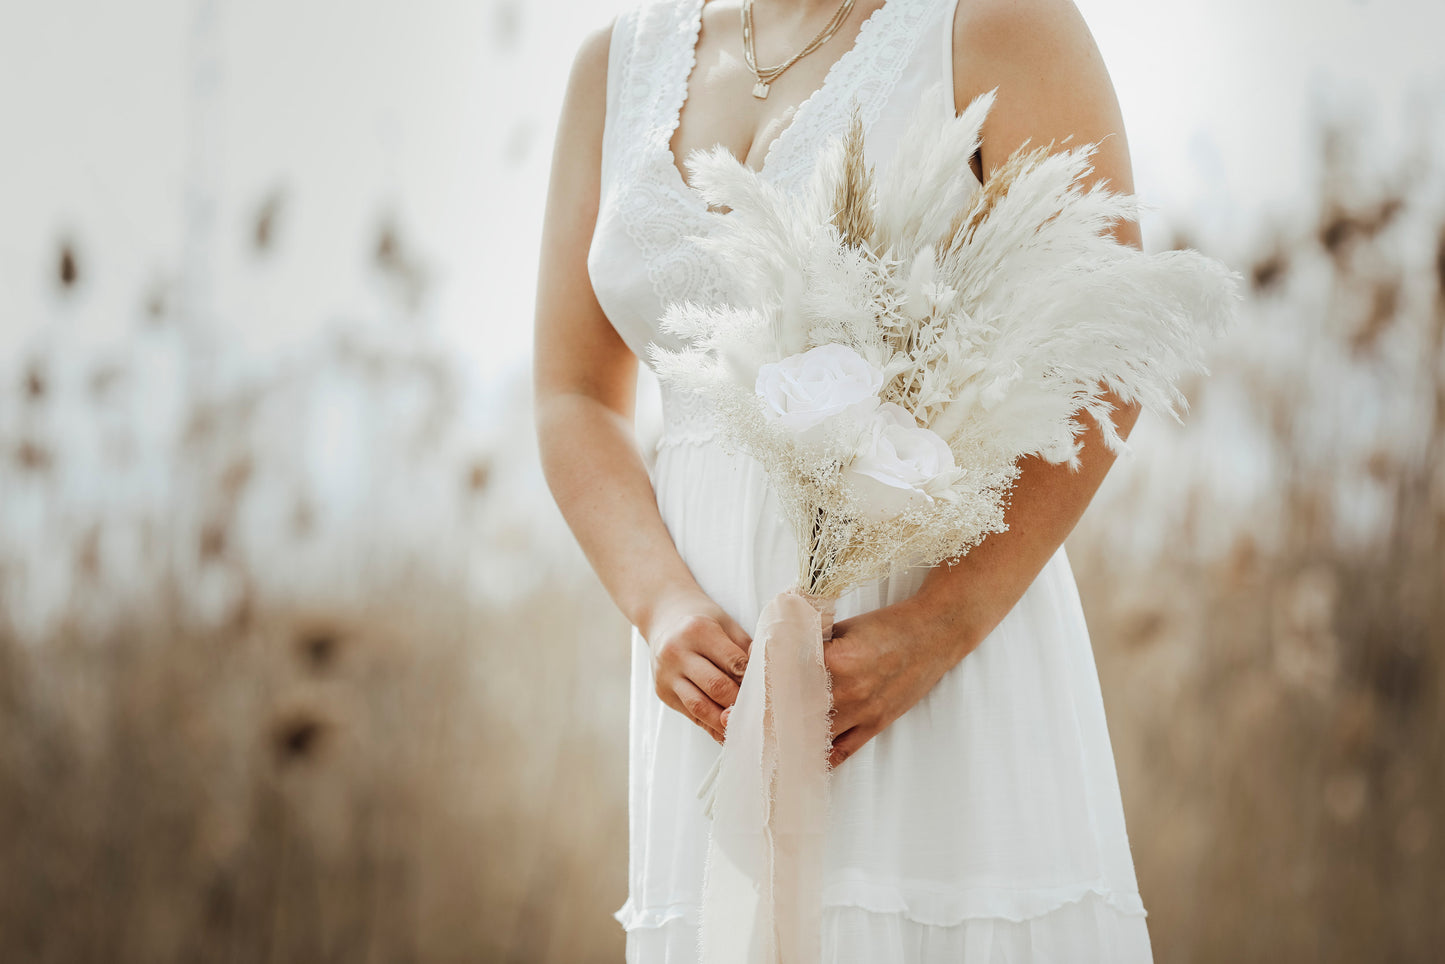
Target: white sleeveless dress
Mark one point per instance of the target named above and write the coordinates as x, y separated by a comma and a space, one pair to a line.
985, 824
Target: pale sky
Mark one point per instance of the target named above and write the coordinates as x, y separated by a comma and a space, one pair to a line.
424, 108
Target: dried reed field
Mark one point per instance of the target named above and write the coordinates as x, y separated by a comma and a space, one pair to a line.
298, 664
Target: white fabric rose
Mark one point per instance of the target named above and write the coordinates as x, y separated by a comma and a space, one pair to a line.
804, 390
900, 464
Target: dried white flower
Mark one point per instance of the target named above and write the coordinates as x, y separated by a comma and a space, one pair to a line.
900, 465
828, 382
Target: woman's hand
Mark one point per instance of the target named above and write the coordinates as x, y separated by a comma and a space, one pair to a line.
882, 663
699, 654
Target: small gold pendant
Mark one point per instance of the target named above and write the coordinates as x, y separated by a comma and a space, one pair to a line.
760, 90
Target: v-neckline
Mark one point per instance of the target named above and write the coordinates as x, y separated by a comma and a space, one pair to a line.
689, 65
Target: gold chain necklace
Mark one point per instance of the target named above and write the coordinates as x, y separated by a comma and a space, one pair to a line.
766, 75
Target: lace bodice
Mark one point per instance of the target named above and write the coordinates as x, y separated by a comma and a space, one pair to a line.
643, 255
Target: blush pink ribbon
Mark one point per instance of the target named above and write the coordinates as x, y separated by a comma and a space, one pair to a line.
762, 894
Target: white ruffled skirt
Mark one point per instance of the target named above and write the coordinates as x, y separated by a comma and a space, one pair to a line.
984, 825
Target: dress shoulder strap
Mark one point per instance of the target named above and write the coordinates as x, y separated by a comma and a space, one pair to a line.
945, 29
623, 29
642, 61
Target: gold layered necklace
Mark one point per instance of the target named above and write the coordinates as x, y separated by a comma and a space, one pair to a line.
766, 75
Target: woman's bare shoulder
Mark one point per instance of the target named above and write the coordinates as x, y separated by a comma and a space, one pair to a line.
589, 65
584, 105
1004, 20
1051, 79
1033, 50
1021, 35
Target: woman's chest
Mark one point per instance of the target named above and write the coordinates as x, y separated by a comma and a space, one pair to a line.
645, 251
752, 75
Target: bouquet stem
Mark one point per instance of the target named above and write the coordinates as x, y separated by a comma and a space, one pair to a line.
762, 897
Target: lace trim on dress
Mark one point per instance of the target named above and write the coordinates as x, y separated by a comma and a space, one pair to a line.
940, 910
658, 218
686, 419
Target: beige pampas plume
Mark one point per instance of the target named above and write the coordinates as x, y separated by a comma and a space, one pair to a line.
853, 196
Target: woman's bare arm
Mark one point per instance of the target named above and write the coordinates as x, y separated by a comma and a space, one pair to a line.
1052, 86
585, 381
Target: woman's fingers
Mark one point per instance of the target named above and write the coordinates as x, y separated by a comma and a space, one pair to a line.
849, 694
719, 687
707, 636
725, 654
699, 707
847, 744
698, 663
736, 634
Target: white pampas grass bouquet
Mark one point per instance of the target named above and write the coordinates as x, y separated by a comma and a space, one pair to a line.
900, 340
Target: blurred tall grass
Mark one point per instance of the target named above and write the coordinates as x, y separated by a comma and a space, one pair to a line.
298, 663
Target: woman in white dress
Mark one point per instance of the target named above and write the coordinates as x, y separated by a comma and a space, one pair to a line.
974, 809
